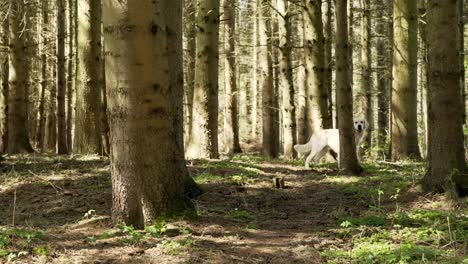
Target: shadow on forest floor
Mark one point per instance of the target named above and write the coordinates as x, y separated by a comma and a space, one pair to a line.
61, 209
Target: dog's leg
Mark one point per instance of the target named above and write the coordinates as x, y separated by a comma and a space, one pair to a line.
315, 150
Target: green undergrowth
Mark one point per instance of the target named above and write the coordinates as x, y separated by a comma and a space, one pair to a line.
18, 242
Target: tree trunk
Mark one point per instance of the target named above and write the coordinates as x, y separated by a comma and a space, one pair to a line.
447, 167
423, 78
20, 62
270, 137
231, 129
328, 66
286, 80
147, 180
190, 32
89, 79
254, 84
72, 7
383, 64
365, 89
344, 98
404, 92
4, 71
301, 113
317, 94
62, 147
203, 142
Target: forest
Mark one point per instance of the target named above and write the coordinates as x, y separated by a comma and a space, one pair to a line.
233, 131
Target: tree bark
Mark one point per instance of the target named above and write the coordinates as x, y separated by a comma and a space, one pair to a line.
328, 64
203, 142
447, 166
62, 147
317, 94
404, 93
20, 62
190, 48
147, 180
286, 80
301, 112
231, 128
270, 143
72, 9
4, 71
344, 98
89, 79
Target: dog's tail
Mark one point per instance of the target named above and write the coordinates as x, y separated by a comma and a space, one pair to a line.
305, 148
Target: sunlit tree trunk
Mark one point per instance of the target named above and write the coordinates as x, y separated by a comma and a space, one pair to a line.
20, 54
4, 72
317, 94
344, 98
147, 180
301, 110
203, 142
231, 128
72, 7
190, 52
89, 79
404, 92
286, 79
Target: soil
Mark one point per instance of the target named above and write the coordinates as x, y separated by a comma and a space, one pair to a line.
69, 200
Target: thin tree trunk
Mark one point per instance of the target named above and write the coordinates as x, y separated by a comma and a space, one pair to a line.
190, 36
269, 108
62, 147
404, 92
4, 71
328, 62
302, 127
72, 7
231, 129
286, 80
344, 98
365, 89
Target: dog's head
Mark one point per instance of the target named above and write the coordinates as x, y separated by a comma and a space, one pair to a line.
360, 125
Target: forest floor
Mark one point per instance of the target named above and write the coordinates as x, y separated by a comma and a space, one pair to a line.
56, 209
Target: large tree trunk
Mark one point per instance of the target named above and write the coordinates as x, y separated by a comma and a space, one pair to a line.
270, 143
231, 128
203, 142
344, 98
317, 94
447, 166
286, 80
89, 79
19, 78
147, 180
404, 92
62, 147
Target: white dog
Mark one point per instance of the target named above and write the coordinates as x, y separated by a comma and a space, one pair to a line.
323, 140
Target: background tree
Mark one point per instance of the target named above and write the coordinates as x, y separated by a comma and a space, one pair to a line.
20, 55
404, 92
62, 147
89, 79
286, 79
231, 129
203, 142
270, 126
